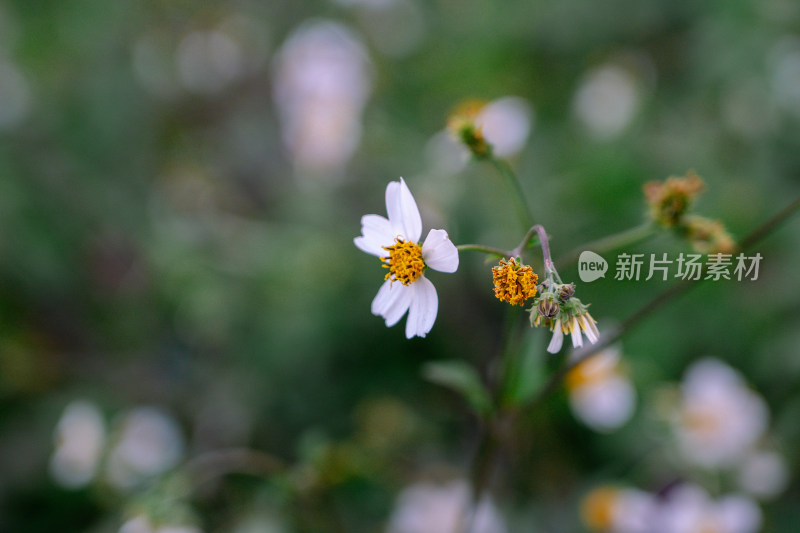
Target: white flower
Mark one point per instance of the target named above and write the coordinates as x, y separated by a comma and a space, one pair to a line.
80, 438
149, 442
322, 83
141, 524
719, 419
619, 510
599, 393
763, 474
505, 124
395, 242
689, 509
429, 508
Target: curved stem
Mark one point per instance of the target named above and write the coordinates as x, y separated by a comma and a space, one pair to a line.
481, 248
218, 463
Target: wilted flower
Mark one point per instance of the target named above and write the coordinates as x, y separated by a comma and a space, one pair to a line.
430, 508
719, 419
599, 392
514, 282
708, 236
79, 437
563, 316
670, 200
394, 241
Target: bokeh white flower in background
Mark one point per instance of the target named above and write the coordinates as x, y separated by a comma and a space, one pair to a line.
763, 474
432, 508
321, 86
600, 394
79, 440
148, 442
506, 124
141, 524
618, 510
689, 509
719, 419
607, 100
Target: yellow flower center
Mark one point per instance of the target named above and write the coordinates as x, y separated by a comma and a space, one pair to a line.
514, 283
405, 262
597, 509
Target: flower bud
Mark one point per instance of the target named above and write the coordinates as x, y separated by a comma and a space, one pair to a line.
548, 308
566, 292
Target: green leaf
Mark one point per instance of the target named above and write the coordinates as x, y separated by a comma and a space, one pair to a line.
529, 373
463, 379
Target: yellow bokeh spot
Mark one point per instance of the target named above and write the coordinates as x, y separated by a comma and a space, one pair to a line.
514, 283
597, 509
404, 262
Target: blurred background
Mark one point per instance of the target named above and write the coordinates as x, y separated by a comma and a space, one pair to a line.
180, 184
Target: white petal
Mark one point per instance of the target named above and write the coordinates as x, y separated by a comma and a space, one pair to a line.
588, 329
577, 340
424, 306
439, 252
402, 210
376, 232
556, 341
392, 302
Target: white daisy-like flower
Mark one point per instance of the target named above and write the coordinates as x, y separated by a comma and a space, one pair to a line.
395, 242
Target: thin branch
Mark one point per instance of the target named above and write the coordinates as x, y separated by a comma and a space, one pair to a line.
218, 463
517, 194
481, 248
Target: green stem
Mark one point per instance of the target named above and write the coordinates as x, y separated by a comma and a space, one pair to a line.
482, 249
517, 194
628, 237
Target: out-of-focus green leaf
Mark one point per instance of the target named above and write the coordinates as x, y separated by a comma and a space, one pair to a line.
461, 377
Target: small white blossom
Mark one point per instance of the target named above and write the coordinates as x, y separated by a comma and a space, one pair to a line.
148, 443
395, 241
429, 508
600, 394
80, 438
719, 419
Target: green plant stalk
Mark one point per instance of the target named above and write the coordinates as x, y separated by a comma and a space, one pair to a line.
517, 194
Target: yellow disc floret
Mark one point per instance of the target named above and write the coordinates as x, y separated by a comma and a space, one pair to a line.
405, 262
514, 283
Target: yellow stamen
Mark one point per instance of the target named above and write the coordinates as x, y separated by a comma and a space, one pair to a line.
514, 283
405, 262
